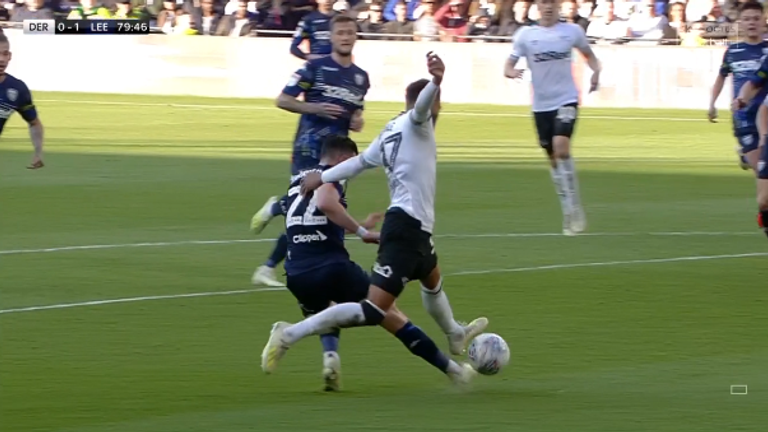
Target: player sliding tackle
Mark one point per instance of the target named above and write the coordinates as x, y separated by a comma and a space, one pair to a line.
407, 151
15, 96
547, 50
742, 60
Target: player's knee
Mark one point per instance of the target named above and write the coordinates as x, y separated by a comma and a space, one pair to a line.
762, 202
373, 314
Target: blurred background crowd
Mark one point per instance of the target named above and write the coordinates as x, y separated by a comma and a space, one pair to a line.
683, 22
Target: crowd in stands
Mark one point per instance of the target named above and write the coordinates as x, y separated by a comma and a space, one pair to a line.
686, 22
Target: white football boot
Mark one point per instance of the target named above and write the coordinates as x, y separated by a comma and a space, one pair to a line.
275, 348
578, 220
567, 225
265, 276
465, 377
261, 219
332, 371
458, 342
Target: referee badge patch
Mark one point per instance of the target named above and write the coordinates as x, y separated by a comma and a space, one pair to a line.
12, 94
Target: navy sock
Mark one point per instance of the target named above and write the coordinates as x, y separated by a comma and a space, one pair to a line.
330, 341
421, 345
278, 208
279, 252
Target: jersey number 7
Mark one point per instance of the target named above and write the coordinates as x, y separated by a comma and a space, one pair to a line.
390, 145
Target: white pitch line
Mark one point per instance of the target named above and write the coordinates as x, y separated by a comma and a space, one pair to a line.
448, 236
268, 108
461, 273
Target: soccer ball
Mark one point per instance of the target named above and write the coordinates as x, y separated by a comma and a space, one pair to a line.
488, 353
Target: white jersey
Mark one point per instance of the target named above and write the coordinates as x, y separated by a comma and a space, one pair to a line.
547, 51
407, 150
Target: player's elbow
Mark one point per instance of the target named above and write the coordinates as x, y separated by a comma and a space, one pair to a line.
283, 101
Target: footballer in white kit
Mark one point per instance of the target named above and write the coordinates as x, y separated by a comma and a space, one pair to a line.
547, 49
407, 151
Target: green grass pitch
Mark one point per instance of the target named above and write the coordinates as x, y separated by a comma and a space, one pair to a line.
641, 326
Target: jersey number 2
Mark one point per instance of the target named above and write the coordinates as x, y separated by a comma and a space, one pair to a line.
389, 149
308, 218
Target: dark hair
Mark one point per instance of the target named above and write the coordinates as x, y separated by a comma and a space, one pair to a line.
3, 38
751, 5
341, 19
338, 144
413, 90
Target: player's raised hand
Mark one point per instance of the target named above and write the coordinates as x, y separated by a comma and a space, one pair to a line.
515, 74
310, 183
37, 162
372, 220
712, 114
327, 110
435, 65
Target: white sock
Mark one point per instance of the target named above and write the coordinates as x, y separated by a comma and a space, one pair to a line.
570, 183
453, 368
436, 303
557, 179
340, 315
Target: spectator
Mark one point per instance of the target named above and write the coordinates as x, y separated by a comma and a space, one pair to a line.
426, 27
374, 22
183, 25
401, 25
88, 9
646, 25
341, 7
125, 10
207, 18
570, 12
694, 37
486, 8
522, 9
586, 7
452, 19
677, 22
411, 6
238, 24
480, 25
716, 13
606, 25
33, 9
167, 16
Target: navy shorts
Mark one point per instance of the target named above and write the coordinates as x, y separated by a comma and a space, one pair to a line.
762, 164
315, 290
749, 141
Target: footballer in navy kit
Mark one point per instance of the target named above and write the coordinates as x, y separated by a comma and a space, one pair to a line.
334, 91
318, 268
315, 27
742, 60
15, 96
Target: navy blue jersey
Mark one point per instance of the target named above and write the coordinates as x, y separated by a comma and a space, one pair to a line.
15, 96
324, 81
315, 27
742, 61
313, 240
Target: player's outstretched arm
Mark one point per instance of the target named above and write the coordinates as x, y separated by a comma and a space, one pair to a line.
328, 202
717, 88
422, 109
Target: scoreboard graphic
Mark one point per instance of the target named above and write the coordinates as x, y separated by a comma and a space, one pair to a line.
91, 26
